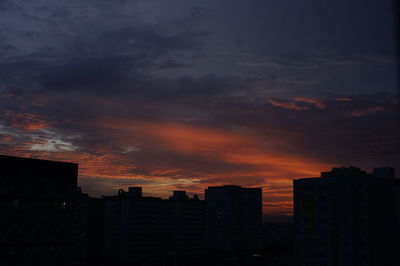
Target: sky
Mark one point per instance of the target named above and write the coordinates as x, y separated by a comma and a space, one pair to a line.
185, 94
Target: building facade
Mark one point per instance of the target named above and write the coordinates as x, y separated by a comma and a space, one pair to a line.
184, 229
80, 227
153, 231
37, 214
234, 220
132, 228
345, 217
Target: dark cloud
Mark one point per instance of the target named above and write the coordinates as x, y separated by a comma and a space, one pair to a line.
309, 61
80, 49
170, 64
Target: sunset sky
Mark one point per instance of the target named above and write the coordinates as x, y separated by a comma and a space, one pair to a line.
184, 94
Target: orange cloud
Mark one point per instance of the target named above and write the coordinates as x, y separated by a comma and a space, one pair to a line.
287, 104
6, 138
26, 121
318, 103
237, 156
233, 146
261, 157
367, 111
298, 103
344, 99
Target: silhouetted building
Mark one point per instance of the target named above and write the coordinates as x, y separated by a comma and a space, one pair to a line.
80, 227
345, 217
397, 189
36, 206
234, 221
132, 228
95, 231
184, 229
278, 248
151, 231
278, 232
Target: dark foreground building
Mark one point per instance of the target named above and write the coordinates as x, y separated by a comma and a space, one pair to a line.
36, 206
278, 247
234, 224
346, 217
95, 232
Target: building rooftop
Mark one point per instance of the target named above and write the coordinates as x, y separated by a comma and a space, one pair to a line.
344, 171
19, 165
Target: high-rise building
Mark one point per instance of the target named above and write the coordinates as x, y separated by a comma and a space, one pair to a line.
184, 230
234, 220
345, 217
152, 231
80, 227
37, 214
95, 231
132, 228
397, 191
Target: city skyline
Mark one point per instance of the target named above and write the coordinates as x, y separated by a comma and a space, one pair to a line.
266, 217
182, 95
345, 216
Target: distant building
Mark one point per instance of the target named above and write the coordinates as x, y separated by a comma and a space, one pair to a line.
234, 220
345, 217
132, 228
37, 215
